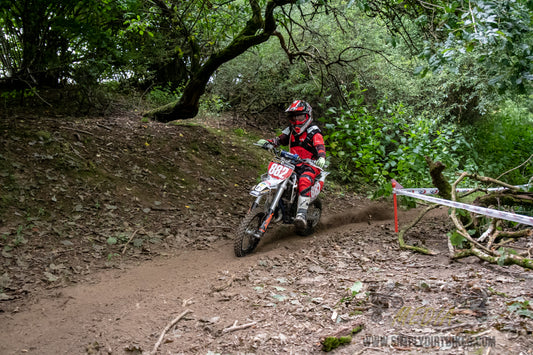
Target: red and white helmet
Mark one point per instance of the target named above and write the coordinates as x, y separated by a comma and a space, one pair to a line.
299, 113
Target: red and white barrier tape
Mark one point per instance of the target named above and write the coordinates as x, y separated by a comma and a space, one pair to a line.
476, 209
435, 191
420, 194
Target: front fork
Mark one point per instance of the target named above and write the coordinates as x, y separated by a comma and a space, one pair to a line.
271, 210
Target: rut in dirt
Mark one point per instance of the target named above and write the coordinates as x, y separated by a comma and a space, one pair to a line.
380, 212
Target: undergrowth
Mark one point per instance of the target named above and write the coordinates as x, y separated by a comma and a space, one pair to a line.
370, 146
390, 142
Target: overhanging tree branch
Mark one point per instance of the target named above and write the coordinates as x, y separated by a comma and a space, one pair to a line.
258, 29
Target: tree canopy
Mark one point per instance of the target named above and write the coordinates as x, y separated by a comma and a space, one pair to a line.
181, 44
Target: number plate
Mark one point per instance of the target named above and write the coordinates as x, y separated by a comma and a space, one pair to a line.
279, 171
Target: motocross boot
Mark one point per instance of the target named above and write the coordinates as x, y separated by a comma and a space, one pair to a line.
301, 213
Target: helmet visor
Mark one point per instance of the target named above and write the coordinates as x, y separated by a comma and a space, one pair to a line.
298, 120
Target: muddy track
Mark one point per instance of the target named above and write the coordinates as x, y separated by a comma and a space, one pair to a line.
122, 310
287, 295
111, 227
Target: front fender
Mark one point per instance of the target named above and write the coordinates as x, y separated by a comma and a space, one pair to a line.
264, 187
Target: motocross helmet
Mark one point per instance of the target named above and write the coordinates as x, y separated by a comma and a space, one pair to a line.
299, 113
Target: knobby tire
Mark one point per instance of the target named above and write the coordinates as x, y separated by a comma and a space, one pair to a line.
245, 242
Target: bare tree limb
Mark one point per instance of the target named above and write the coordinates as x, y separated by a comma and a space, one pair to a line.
167, 328
235, 327
453, 215
404, 230
508, 259
518, 167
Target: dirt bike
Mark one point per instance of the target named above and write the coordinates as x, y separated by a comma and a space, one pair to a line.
276, 200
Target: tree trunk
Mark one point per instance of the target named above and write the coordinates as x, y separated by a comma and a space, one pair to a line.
256, 31
186, 107
438, 179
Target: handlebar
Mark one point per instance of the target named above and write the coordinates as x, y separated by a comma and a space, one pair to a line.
294, 158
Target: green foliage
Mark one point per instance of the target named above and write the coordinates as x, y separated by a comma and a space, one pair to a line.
504, 141
521, 307
14, 94
331, 343
239, 132
110, 256
17, 239
118, 238
213, 105
162, 95
58, 37
353, 292
456, 239
262, 78
496, 34
479, 50
372, 147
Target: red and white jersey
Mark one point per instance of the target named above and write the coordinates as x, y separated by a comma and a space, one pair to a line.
308, 145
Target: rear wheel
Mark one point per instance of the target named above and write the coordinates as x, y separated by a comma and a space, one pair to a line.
245, 240
314, 212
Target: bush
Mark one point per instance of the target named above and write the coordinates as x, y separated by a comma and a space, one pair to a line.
504, 141
160, 96
371, 148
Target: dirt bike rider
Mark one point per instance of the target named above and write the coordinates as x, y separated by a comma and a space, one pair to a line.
307, 141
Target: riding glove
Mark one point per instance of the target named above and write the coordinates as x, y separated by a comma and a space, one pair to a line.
262, 142
320, 162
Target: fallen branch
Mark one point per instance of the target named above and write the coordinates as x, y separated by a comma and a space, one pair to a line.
101, 125
453, 215
235, 327
401, 240
463, 232
489, 180
507, 259
440, 182
492, 227
77, 130
225, 285
503, 234
129, 240
170, 325
480, 243
493, 232
158, 208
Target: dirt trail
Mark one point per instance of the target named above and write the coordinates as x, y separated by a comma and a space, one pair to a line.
111, 227
289, 287
126, 308
121, 305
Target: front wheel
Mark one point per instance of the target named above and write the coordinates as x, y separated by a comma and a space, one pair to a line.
245, 239
314, 212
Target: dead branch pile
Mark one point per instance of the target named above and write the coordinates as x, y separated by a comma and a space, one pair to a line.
493, 240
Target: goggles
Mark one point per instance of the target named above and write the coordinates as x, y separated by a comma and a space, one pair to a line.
298, 119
